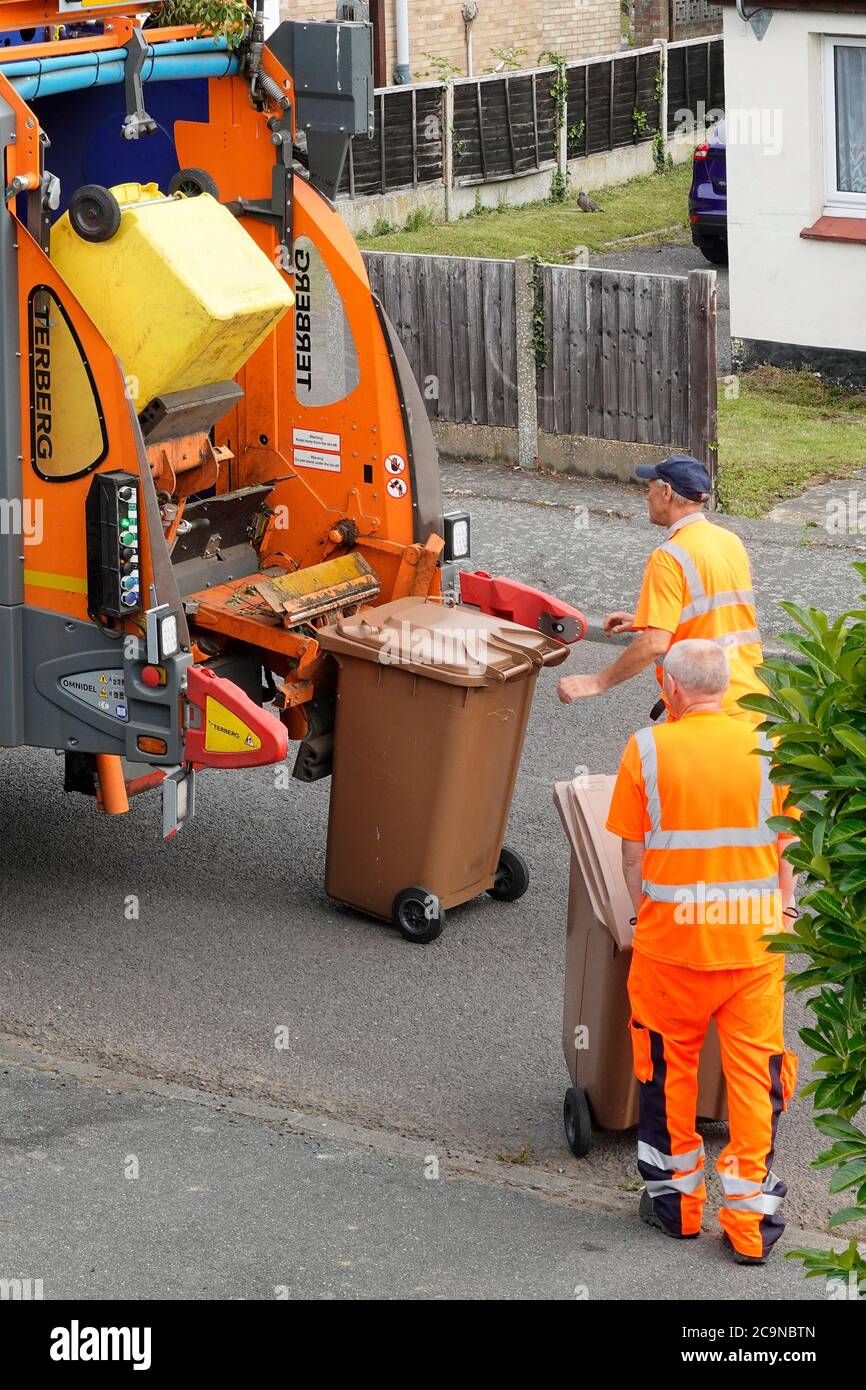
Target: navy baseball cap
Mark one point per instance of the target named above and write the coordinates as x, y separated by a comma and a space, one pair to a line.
686, 475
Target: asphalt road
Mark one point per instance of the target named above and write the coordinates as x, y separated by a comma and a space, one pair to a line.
186, 962
677, 258
108, 1194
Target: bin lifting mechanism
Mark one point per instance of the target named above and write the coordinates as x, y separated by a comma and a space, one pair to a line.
519, 603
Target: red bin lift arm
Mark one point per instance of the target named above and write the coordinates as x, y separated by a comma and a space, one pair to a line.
506, 598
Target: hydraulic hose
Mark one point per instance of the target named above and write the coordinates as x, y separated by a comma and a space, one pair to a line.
32, 67
108, 72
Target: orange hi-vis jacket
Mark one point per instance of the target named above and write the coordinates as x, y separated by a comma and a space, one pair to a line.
698, 793
698, 583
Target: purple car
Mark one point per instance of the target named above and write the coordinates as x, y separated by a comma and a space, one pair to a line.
708, 197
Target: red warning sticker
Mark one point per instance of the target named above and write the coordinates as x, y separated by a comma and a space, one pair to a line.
397, 487
395, 463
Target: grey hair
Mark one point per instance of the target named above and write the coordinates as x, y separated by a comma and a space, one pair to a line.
691, 501
699, 666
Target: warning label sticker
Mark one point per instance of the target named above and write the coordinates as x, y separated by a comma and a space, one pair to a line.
102, 690
397, 487
314, 458
316, 439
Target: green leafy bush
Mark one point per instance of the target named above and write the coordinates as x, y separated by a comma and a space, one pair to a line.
816, 710
229, 19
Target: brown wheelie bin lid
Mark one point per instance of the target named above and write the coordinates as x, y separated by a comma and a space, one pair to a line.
448, 643
583, 806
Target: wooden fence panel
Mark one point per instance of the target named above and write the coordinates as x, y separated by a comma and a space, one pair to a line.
456, 320
696, 77
503, 126
506, 126
617, 356
407, 145
617, 347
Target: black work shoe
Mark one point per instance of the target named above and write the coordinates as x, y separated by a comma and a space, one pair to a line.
647, 1212
739, 1257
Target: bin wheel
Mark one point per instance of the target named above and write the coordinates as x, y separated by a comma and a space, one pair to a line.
512, 877
578, 1121
419, 915
94, 212
192, 182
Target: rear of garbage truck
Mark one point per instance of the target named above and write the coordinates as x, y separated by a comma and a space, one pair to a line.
219, 433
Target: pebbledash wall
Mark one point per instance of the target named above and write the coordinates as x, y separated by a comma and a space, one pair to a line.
795, 300
574, 28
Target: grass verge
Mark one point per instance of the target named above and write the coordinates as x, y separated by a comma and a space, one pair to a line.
552, 230
785, 431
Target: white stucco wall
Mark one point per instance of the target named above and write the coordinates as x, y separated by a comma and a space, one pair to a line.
783, 288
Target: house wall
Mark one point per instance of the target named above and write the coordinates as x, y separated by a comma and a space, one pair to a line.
793, 301
574, 28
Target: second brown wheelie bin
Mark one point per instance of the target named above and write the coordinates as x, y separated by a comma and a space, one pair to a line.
596, 1012
432, 707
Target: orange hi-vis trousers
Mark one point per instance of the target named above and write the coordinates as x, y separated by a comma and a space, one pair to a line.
671, 1009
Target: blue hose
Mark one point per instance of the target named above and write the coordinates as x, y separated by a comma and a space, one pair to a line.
69, 80
33, 67
103, 74
175, 46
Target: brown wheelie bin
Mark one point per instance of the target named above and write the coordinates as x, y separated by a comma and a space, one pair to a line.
595, 1035
432, 706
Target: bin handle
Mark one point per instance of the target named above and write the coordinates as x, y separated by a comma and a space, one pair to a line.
534, 659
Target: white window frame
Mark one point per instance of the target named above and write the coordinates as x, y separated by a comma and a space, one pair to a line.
839, 203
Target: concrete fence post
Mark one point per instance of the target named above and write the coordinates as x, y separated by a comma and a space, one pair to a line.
527, 391
703, 382
661, 45
448, 149
562, 149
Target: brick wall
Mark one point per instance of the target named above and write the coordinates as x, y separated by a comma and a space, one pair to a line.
680, 19
575, 28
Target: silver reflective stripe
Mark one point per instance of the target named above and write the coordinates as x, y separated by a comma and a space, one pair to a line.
721, 837
646, 744
708, 892
731, 598
702, 602
749, 1187
690, 1182
689, 569
763, 1203
738, 639
669, 1163
758, 837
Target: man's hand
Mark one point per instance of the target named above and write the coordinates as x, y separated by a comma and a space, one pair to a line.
618, 622
573, 688
645, 648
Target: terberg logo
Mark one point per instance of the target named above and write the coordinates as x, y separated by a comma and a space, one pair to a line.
303, 342
77, 1343
42, 409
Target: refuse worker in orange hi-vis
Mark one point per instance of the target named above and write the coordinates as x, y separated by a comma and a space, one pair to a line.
698, 583
704, 870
